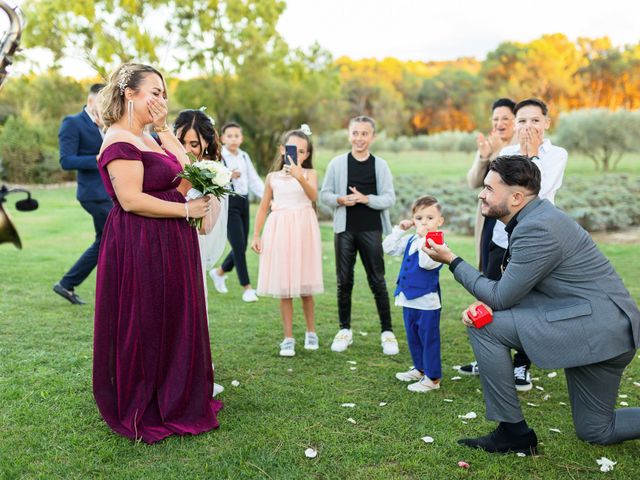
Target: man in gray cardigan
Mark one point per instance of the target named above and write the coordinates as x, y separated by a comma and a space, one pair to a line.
561, 301
359, 189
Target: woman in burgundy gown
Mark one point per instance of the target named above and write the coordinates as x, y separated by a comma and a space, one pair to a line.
152, 374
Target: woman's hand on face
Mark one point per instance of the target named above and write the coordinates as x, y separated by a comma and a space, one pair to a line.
199, 207
158, 110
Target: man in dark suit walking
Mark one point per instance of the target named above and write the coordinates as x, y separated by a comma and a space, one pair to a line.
561, 301
80, 138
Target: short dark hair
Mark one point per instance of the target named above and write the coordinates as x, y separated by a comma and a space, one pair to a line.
363, 119
229, 125
503, 102
425, 201
536, 102
95, 88
517, 170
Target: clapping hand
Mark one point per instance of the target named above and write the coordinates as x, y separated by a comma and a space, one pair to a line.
489, 144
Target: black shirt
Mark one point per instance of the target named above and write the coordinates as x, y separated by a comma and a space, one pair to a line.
362, 176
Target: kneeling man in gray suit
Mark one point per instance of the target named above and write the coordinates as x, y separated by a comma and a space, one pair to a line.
559, 300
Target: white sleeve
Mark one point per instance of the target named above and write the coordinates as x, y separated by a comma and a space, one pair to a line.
396, 242
216, 239
551, 167
424, 260
254, 182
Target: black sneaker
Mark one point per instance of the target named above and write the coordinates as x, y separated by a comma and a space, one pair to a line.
522, 378
68, 295
470, 369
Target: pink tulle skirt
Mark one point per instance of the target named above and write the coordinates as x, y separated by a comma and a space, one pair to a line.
291, 258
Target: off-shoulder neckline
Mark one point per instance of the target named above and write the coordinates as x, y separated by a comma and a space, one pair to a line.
164, 153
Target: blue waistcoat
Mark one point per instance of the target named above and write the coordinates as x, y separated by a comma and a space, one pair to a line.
413, 280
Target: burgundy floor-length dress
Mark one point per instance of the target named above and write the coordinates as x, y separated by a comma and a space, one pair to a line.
152, 374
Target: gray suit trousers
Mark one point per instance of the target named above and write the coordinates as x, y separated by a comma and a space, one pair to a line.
593, 389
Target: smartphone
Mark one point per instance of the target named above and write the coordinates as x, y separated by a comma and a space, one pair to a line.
290, 151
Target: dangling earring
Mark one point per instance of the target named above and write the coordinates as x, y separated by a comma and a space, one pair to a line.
130, 112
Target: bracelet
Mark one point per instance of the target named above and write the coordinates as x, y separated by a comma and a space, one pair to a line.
186, 209
165, 128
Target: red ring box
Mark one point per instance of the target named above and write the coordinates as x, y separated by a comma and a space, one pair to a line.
437, 237
481, 318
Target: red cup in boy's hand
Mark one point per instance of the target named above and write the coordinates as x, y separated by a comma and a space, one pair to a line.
481, 318
437, 237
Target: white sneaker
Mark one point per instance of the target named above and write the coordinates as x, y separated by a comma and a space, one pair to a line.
411, 375
288, 347
249, 296
217, 388
311, 341
342, 340
219, 281
389, 343
424, 385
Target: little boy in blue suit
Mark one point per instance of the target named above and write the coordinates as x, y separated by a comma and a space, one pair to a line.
418, 293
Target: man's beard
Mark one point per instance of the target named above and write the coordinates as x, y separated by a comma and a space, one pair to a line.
497, 211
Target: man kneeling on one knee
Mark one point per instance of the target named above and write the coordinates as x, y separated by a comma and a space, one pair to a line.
560, 300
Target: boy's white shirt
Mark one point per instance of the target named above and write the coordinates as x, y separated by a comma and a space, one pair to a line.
395, 244
249, 180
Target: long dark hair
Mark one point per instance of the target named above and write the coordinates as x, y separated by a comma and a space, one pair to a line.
203, 126
278, 161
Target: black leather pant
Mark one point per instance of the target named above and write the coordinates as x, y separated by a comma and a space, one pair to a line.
369, 246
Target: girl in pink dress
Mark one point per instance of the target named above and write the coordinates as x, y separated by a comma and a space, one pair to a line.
290, 249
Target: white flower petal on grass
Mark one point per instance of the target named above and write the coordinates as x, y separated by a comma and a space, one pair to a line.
457, 367
352, 362
469, 415
552, 374
540, 388
310, 453
624, 404
532, 404
427, 439
235, 383
353, 368
350, 405
382, 404
478, 391
456, 378
562, 403
546, 397
521, 454
448, 400
637, 384
556, 430
364, 334
466, 423
622, 395
289, 370
351, 420
606, 465
535, 378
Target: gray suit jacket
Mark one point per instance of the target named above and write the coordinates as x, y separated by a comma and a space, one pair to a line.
569, 306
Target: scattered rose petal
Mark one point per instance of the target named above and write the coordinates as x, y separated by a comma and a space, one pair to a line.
289, 370
353, 368
624, 404
546, 397
448, 400
235, 383
350, 405
351, 420
606, 465
364, 334
535, 378
470, 415
427, 439
382, 404
462, 464
310, 453
478, 390
552, 374
457, 367
637, 384
521, 454
540, 388
456, 378
532, 404
466, 423
352, 362
562, 403
623, 395
556, 430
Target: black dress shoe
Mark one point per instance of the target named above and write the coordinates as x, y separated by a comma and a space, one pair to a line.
499, 441
68, 294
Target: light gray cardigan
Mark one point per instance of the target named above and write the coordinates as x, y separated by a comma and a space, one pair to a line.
335, 185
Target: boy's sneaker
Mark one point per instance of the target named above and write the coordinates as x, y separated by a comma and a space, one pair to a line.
522, 378
219, 281
249, 296
311, 341
411, 375
470, 369
288, 347
424, 385
389, 343
342, 340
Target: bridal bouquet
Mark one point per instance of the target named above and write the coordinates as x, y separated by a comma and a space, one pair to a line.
207, 177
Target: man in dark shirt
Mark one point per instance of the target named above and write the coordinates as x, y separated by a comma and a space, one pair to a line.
359, 187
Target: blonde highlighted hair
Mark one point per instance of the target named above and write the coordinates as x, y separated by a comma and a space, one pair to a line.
112, 98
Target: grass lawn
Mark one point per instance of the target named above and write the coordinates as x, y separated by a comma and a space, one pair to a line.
50, 426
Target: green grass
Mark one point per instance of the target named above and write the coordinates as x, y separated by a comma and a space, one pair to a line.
50, 426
